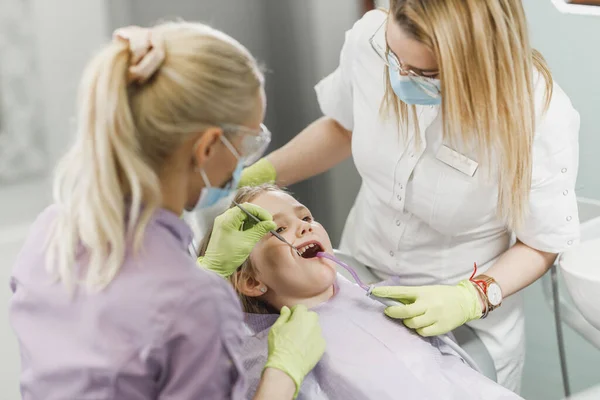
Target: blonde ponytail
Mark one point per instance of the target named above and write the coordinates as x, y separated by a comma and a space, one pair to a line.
107, 185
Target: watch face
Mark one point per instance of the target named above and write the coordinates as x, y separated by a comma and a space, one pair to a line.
494, 294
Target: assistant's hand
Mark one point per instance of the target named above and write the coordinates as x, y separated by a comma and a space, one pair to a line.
295, 343
258, 173
433, 310
233, 237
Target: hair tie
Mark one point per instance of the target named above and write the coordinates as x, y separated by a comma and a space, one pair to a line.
147, 52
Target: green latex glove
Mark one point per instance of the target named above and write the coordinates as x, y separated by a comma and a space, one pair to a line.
433, 310
233, 237
258, 173
295, 343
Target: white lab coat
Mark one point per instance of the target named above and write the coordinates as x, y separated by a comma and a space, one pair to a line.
418, 218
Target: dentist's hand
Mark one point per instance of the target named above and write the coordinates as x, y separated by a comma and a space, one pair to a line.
295, 343
258, 173
233, 237
433, 310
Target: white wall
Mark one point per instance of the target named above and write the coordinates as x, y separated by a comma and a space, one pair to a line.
67, 32
571, 45
244, 20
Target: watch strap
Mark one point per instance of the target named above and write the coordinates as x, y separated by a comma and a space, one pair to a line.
486, 311
483, 282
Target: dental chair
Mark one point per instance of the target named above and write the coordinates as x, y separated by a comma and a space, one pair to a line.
464, 335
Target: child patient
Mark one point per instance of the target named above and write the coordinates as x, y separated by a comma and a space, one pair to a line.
368, 356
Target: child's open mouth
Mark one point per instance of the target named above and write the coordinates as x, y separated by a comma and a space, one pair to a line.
310, 249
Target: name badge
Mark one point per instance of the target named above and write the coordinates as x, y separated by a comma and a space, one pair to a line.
457, 161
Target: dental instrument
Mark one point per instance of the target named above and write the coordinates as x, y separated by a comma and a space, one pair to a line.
272, 232
391, 303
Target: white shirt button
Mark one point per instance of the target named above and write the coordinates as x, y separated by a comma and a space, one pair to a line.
401, 186
569, 218
398, 222
391, 254
566, 192
399, 198
570, 242
563, 170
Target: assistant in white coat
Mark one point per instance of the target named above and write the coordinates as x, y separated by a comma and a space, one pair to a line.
419, 215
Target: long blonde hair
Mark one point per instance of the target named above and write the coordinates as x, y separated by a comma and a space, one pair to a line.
247, 270
486, 70
107, 185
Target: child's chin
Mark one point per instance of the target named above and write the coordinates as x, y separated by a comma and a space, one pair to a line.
328, 277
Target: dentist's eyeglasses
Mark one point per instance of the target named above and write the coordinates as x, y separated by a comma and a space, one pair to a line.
253, 143
379, 45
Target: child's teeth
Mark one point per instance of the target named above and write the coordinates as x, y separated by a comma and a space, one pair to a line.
303, 250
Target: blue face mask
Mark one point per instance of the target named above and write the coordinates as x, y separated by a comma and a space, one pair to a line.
210, 196
410, 92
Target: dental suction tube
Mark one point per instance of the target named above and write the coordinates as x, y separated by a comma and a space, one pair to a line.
392, 303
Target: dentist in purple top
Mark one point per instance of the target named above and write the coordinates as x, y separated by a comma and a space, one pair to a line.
107, 302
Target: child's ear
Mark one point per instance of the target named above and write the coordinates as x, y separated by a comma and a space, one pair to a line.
249, 285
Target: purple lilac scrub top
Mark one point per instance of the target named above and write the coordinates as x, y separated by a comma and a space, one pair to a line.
162, 329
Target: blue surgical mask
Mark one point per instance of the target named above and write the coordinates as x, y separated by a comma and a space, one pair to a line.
410, 92
210, 196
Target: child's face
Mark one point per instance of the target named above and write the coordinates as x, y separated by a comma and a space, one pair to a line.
285, 273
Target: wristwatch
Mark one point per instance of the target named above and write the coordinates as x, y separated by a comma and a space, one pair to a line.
491, 291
